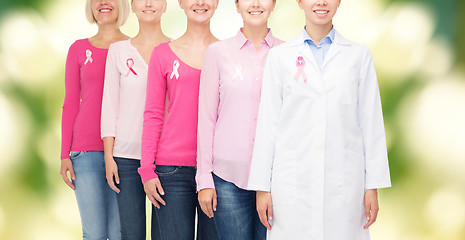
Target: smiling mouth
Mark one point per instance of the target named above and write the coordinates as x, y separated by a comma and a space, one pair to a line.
148, 11
105, 10
255, 12
200, 11
321, 11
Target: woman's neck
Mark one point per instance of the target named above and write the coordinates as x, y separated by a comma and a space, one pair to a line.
255, 34
197, 34
108, 32
318, 32
150, 33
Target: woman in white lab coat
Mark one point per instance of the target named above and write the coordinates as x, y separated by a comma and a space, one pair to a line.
320, 150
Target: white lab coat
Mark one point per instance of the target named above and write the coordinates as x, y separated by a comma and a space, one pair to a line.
321, 143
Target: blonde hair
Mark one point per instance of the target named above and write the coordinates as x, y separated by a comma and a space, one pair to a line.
123, 12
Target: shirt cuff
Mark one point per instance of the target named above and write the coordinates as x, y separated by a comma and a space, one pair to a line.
204, 181
64, 155
259, 187
147, 173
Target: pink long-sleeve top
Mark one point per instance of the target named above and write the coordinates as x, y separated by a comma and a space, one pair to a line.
170, 140
84, 76
124, 99
230, 86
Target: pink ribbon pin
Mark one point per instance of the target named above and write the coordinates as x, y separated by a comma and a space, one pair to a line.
88, 57
300, 63
130, 64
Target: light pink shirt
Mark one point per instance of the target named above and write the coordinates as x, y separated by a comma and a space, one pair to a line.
230, 86
124, 99
84, 74
171, 140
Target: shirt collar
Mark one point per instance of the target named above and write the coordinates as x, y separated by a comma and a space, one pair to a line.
299, 40
328, 39
241, 40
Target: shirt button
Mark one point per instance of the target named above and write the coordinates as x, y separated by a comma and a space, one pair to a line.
255, 119
256, 79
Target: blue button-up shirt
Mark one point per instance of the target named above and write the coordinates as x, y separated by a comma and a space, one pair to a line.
320, 51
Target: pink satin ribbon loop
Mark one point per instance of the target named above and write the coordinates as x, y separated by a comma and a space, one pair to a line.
300, 64
130, 64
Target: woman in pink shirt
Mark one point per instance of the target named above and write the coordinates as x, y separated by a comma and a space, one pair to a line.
169, 141
122, 116
230, 87
81, 146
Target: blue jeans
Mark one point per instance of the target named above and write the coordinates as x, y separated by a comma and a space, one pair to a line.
177, 219
131, 202
95, 199
236, 216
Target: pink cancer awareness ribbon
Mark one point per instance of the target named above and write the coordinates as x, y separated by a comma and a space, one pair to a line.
130, 64
88, 57
175, 72
300, 63
238, 73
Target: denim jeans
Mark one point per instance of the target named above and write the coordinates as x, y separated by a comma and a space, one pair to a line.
131, 202
236, 216
95, 199
177, 219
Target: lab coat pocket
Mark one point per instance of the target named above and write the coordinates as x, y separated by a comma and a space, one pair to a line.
284, 178
354, 178
347, 87
299, 92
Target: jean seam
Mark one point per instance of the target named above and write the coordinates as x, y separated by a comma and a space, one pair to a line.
158, 227
216, 227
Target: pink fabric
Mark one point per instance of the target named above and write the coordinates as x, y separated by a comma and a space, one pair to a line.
84, 76
171, 140
124, 99
230, 87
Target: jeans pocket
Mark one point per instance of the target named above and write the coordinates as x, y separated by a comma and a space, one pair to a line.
164, 170
75, 154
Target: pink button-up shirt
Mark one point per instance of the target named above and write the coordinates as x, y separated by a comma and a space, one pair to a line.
230, 86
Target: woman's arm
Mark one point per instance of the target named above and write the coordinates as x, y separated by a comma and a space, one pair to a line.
109, 117
265, 138
70, 110
208, 114
153, 122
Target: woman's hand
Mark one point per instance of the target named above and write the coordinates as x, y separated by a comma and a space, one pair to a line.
371, 206
265, 208
207, 201
67, 165
153, 190
111, 170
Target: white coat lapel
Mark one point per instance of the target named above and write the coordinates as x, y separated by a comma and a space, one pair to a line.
335, 48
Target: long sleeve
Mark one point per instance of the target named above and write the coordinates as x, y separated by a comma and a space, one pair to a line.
110, 101
267, 126
153, 116
372, 126
208, 115
71, 102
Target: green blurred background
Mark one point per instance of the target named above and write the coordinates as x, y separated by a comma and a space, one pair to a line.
419, 55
